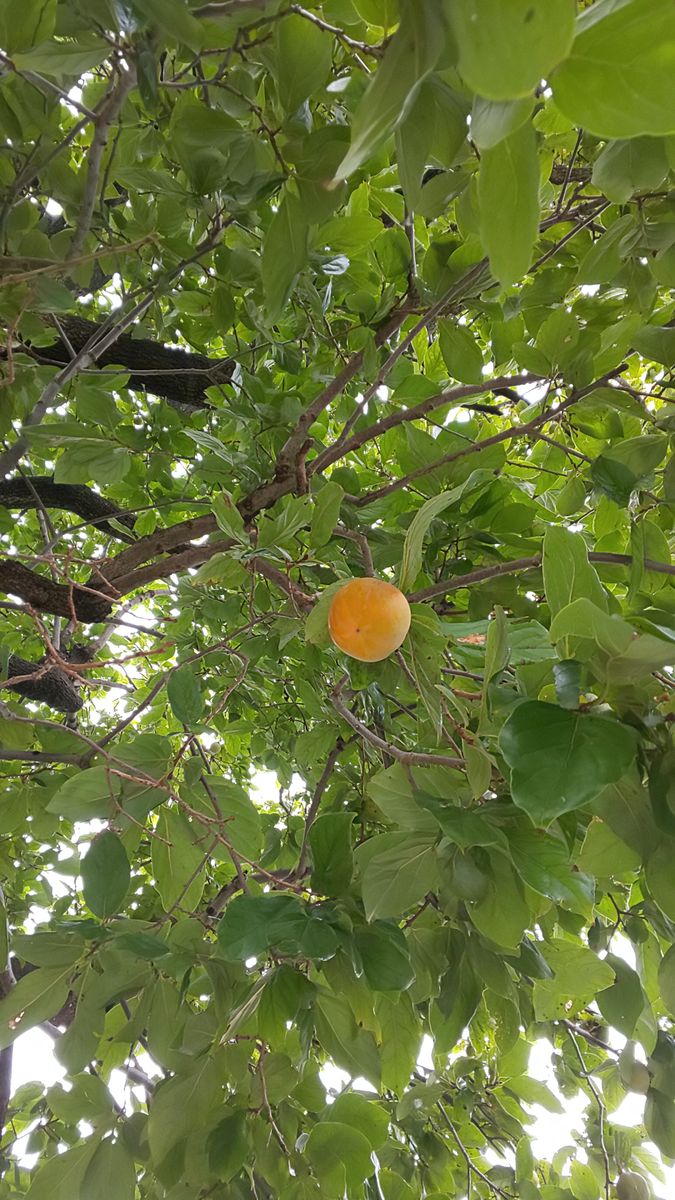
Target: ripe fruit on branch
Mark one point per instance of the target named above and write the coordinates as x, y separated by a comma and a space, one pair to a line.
368, 619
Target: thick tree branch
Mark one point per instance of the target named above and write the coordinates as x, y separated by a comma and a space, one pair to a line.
179, 376
61, 599
44, 683
33, 491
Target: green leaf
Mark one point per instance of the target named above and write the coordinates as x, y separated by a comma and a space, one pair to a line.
330, 839
178, 861
242, 822
326, 513
604, 855
617, 472
351, 1048
543, 862
111, 1172
660, 878
87, 795
506, 47
411, 561
303, 60
182, 1104
568, 575
493, 120
397, 870
461, 353
392, 792
561, 760
401, 1039
370, 1118
106, 874
173, 19
63, 61
508, 192
659, 1121
657, 343
386, 962
621, 1004
228, 1146
617, 80
502, 915
625, 167
92, 459
667, 979
316, 625
60, 1177
36, 997
339, 1156
577, 978
24, 23
284, 254
410, 56
185, 695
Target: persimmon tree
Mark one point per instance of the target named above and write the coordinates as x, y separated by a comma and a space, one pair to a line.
291, 295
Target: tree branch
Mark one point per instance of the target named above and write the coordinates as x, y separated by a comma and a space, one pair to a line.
312, 811
178, 376
453, 396
104, 118
34, 491
411, 758
525, 564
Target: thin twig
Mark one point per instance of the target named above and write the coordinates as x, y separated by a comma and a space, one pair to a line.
412, 758
602, 1111
105, 117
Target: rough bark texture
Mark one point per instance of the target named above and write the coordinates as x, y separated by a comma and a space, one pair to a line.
32, 491
179, 376
47, 596
50, 686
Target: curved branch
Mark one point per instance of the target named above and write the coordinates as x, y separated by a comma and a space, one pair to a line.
31, 491
44, 683
525, 564
411, 758
179, 376
45, 595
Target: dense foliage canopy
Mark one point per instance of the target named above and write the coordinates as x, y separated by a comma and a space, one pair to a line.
292, 295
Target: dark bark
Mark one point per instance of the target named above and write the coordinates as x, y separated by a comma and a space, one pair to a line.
47, 596
34, 490
179, 376
50, 685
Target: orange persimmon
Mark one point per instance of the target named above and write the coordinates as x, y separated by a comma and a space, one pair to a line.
368, 619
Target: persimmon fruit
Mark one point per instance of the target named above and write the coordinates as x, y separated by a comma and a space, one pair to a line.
368, 619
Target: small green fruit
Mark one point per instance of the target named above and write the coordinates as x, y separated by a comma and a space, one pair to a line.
631, 1186
637, 1078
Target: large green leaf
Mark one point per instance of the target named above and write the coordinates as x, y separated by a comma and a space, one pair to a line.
506, 47
397, 870
561, 760
617, 79
508, 191
304, 54
105, 874
411, 55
